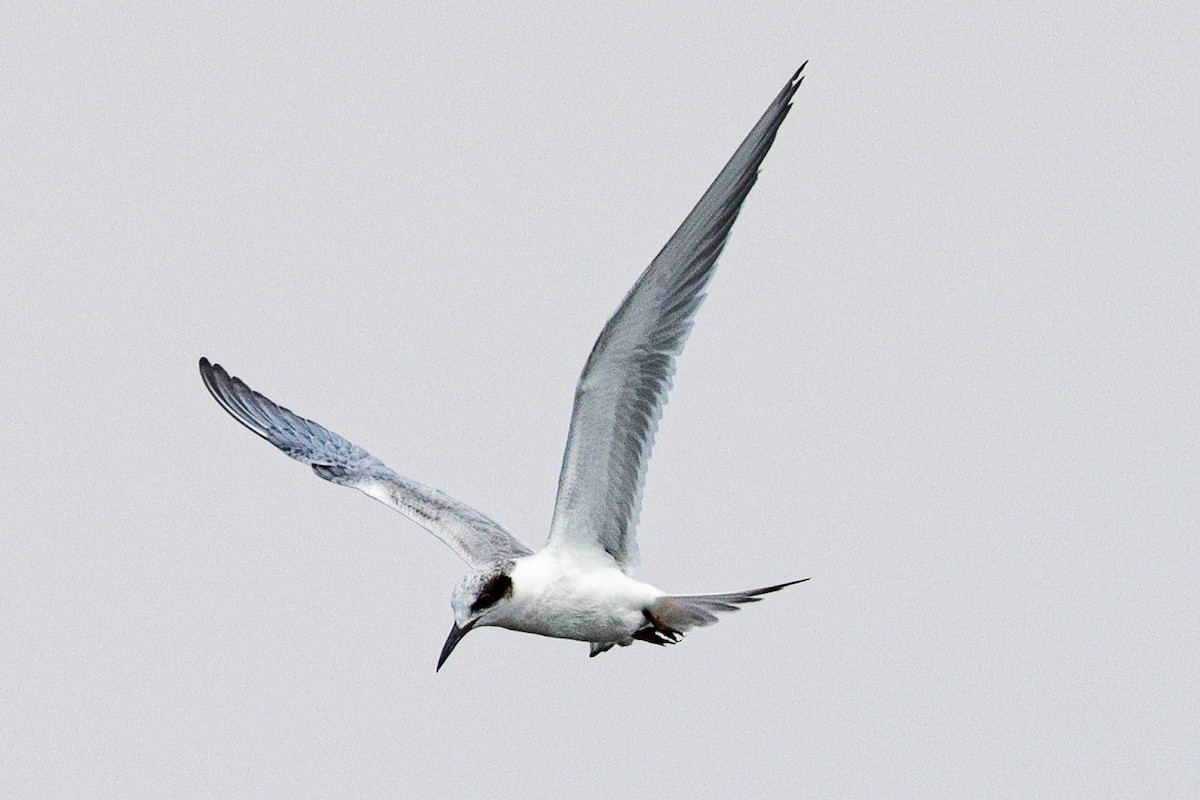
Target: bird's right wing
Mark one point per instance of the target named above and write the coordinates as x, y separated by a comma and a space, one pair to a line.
477, 539
621, 392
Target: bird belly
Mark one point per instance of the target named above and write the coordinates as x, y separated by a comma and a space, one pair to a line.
590, 622
592, 606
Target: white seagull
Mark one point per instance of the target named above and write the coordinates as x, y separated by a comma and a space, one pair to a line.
578, 586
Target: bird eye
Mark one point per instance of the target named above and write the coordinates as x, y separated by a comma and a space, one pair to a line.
484, 601
493, 590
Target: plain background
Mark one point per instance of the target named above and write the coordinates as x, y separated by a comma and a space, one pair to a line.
947, 369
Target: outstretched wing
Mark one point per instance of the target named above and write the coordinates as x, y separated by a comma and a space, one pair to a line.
477, 539
624, 384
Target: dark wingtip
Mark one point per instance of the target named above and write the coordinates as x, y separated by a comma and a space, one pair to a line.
225, 389
212, 375
778, 586
209, 371
789, 91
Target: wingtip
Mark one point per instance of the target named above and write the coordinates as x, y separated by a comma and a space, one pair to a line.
210, 371
207, 372
789, 91
779, 586
213, 375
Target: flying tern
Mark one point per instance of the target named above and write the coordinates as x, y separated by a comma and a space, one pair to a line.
579, 585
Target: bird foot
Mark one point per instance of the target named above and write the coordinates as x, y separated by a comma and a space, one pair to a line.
657, 632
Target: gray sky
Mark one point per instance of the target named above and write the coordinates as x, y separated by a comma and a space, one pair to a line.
947, 369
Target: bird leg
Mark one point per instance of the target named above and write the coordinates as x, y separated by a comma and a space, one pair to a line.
657, 632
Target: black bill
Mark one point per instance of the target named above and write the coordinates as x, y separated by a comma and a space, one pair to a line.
456, 635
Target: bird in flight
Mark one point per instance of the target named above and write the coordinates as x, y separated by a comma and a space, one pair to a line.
579, 585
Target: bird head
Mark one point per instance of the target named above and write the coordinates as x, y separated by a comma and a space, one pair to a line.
476, 599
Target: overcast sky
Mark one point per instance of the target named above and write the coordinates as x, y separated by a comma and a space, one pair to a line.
947, 369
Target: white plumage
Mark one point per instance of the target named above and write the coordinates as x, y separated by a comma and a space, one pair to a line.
578, 586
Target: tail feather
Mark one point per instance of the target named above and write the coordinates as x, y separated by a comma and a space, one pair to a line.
683, 612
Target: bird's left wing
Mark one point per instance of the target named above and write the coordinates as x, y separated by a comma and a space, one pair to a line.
624, 384
477, 539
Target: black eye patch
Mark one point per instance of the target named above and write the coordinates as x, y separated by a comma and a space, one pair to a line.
493, 590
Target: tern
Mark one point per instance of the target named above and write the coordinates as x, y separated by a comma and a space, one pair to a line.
579, 585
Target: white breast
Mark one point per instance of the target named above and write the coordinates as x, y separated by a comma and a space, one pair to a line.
556, 596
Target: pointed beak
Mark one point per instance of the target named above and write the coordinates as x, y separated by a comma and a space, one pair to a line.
456, 635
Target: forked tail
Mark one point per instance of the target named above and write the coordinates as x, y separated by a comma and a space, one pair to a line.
670, 616
682, 612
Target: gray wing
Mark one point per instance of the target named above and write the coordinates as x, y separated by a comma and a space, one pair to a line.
624, 384
477, 539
